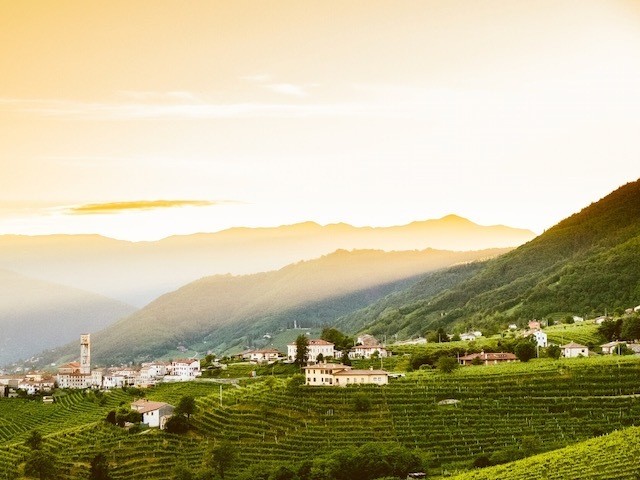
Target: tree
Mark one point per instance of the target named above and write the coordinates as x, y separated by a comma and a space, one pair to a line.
182, 472
35, 440
361, 402
339, 339
525, 350
345, 360
270, 382
99, 469
611, 329
447, 364
40, 464
295, 382
186, 406
177, 424
111, 417
302, 350
320, 358
630, 329
554, 351
222, 456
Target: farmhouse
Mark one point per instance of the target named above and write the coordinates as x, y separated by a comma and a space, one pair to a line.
365, 351
540, 336
573, 350
487, 358
338, 375
154, 414
184, 369
612, 347
264, 355
317, 347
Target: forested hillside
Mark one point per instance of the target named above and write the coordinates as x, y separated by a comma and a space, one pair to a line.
226, 310
585, 264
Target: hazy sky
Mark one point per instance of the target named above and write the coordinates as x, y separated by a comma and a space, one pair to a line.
142, 119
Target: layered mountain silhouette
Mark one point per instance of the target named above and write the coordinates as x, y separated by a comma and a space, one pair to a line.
36, 315
225, 311
138, 272
587, 264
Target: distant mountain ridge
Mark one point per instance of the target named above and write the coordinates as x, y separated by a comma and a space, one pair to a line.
37, 315
224, 311
586, 264
138, 272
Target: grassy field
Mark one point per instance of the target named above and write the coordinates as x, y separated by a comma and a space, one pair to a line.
501, 409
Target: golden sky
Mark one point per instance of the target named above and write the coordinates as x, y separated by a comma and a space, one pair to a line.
180, 117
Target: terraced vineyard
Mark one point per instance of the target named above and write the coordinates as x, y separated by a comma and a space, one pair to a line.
613, 457
498, 409
586, 334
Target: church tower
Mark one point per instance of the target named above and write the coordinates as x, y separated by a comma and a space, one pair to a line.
85, 354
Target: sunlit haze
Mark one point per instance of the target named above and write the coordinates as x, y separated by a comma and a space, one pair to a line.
140, 120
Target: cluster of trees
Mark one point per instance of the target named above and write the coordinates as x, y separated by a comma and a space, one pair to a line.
181, 418
215, 464
368, 462
40, 463
627, 328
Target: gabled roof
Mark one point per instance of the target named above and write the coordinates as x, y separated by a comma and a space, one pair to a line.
146, 406
361, 372
188, 361
490, 356
573, 345
315, 341
328, 366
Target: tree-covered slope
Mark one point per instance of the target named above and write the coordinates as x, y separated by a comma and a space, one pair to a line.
226, 310
585, 264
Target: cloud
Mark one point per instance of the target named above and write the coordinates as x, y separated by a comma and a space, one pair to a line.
117, 207
288, 89
185, 110
257, 78
172, 96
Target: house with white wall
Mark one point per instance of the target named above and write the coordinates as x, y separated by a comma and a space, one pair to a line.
366, 351
184, 369
154, 414
574, 350
540, 337
339, 375
317, 346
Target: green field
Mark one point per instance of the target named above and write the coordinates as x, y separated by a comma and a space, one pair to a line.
501, 410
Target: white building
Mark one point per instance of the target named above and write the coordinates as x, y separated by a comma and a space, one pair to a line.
154, 414
338, 375
612, 347
573, 350
264, 355
185, 369
317, 347
467, 336
540, 336
366, 351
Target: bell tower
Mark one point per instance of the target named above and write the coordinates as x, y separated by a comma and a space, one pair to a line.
85, 354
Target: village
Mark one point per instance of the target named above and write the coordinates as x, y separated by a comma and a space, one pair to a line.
321, 368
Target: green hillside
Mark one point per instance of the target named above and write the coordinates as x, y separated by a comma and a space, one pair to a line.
504, 412
613, 456
585, 264
229, 312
